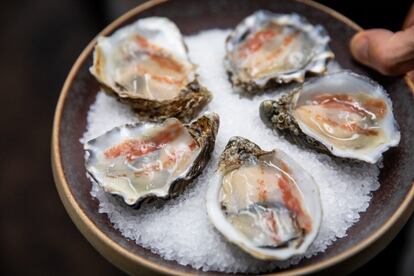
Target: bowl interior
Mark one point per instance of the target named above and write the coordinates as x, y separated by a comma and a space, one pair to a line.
194, 16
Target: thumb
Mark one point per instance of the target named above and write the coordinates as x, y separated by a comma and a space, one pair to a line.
389, 53
411, 75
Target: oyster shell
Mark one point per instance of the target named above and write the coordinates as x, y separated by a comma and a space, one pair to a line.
344, 114
146, 65
264, 202
266, 49
146, 160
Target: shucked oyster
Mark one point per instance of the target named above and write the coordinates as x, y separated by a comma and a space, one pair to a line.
146, 66
345, 114
146, 160
266, 49
264, 202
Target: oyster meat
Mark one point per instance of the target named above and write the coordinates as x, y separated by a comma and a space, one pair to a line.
146, 65
264, 202
345, 114
266, 49
146, 160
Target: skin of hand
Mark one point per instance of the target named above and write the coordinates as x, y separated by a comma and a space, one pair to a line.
385, 51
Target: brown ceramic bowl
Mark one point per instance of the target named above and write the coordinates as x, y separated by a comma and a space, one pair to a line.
389, 209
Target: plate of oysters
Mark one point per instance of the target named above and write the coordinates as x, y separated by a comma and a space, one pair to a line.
233, 137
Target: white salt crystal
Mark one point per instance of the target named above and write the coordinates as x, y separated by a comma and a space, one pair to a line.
180, 230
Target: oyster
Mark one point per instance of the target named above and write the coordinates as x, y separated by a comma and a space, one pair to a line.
345, 114
266, 49
264, 202
146, 160
146, 66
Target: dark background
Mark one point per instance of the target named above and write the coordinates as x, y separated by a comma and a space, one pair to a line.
40, 40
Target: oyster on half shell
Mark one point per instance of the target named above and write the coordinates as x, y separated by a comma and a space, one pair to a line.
146, 160
264, 202
146, 65
345, 114
267, 49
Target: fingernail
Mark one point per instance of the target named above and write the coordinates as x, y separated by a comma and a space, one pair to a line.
359, 47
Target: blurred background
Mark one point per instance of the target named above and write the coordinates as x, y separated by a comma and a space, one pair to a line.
40, 40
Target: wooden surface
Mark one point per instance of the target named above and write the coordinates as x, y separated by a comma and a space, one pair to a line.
40, 41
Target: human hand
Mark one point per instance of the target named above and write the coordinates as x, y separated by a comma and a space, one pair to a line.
387, 52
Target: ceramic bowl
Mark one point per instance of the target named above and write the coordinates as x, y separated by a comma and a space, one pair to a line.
389, 208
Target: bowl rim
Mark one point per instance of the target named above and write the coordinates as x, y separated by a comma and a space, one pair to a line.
124, 259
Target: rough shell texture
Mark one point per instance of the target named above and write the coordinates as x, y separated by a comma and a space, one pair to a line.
279, 115
276, 114
238, 150
184, 107
203, 130
316, 36
146, 65
241, 152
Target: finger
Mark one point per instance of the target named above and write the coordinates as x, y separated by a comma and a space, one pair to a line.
389, 53
409, 20
410, 75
